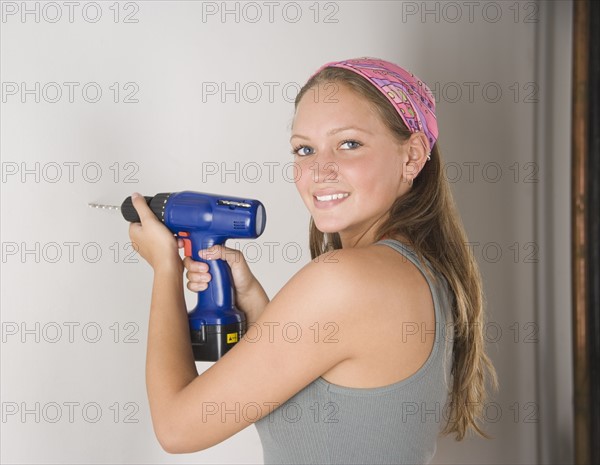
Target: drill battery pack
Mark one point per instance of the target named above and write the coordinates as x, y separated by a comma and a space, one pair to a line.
211, 342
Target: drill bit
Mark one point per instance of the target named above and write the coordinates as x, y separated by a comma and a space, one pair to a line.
104, 207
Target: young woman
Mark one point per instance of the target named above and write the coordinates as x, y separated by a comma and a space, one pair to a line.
386, 349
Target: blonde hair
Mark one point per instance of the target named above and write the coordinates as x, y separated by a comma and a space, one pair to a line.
428, 217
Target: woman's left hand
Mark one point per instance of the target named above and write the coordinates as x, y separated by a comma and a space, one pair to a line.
152, 239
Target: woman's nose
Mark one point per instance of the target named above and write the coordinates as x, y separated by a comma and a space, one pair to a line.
325, 166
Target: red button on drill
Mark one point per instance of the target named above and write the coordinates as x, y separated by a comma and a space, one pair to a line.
187, 247
187, 244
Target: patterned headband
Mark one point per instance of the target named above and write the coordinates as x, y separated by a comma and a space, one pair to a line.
410, 96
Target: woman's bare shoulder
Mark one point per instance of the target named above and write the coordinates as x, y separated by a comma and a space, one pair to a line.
352, 260
357, 272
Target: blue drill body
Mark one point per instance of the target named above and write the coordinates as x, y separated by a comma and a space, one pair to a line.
202, 220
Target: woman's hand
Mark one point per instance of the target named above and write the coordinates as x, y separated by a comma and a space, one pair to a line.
199, 276
250, 296
152, 239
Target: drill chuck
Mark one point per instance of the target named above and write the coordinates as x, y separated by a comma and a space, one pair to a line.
156, 203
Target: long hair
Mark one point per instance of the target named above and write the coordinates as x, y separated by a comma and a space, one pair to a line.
428, 217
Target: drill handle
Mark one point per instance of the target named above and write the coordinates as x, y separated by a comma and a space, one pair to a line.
219, 296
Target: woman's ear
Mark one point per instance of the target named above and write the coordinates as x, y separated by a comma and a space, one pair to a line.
418, 153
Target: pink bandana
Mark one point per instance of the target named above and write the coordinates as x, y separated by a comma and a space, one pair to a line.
410, 96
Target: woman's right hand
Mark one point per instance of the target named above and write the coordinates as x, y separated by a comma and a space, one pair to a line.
250, 296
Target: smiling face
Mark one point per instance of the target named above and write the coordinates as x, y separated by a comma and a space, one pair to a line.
351, 168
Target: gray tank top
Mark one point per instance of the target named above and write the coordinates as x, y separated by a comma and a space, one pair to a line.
399, 423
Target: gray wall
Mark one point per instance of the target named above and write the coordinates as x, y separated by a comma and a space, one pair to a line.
194, 100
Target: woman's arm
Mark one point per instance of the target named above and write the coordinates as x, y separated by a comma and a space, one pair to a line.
170, 364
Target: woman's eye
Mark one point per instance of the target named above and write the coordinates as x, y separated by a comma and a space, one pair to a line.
353, 144
300, 150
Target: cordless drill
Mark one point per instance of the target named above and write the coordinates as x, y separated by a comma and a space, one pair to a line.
202, 220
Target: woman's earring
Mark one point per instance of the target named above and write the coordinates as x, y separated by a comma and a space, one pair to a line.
429, 156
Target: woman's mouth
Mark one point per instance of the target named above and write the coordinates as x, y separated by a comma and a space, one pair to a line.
329, 200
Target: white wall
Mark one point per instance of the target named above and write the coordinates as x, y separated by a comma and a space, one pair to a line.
177, 61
